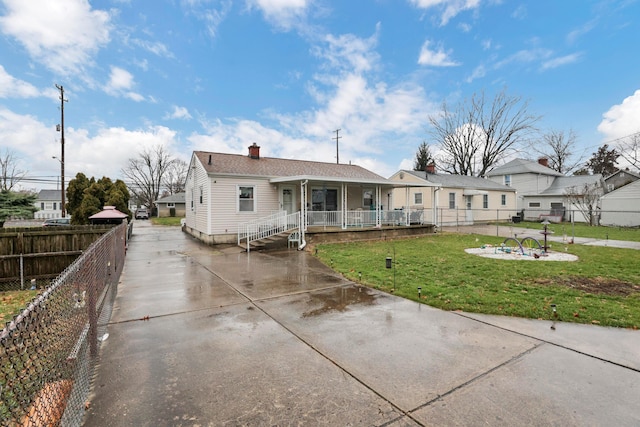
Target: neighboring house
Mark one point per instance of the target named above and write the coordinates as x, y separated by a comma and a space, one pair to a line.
525, 176
454, 199
49, 204
553, 204
227, 192
619, 179
621, 207
171, 205
542, 192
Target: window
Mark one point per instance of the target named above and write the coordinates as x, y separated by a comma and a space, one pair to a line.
48, 206
54, 205
485, 201
503, 200
41, 206
452, 200
610, 187
201, 195
507, 180
417, 199
367, 198
534, 204
171, 205
245, 198
192, 197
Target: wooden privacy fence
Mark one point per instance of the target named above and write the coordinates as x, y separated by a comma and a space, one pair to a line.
41, 253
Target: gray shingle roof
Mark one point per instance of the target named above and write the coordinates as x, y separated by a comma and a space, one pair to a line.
517, 166
172, 198
460, 181
241, 165
50, 195
560, 184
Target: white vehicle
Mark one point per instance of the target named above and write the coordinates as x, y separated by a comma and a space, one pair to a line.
142, 213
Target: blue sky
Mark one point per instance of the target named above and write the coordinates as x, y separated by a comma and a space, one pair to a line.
218, 75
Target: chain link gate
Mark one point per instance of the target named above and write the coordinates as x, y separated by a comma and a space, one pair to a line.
48, 352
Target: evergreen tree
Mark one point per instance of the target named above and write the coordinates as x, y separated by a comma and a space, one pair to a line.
17, 205
423, 157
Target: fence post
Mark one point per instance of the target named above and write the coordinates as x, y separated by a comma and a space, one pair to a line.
91, 307
21, 272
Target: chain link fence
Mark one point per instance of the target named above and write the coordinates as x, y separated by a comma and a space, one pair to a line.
49, 350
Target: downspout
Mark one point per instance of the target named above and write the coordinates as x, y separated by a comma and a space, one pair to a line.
303, 214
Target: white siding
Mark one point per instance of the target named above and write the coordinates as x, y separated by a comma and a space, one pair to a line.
525, 184
225, 216
622, 206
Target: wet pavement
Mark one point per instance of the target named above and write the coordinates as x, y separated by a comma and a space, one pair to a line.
279, 339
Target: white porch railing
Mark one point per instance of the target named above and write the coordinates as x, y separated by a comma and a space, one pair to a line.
268, 226
369, 218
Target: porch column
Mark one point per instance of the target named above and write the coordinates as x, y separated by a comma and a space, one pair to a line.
303, 207
343, 213
407, 213
378, 213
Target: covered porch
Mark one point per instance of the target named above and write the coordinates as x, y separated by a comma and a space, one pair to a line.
340, 203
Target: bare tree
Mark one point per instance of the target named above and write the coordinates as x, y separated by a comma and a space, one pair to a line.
585, 198
10, 175
630, 150
146, 174
478, 133
176, 177
559, 147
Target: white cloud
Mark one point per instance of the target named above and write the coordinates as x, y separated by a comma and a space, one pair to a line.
560, 61
10, 87
284, 14
622, 119
157, 48
119, 84
435, 58
178, 113
449, 8
63, 35
202, 10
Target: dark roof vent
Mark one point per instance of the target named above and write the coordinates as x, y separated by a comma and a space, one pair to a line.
209, 159
254, 151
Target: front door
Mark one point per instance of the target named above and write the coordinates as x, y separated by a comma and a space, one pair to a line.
469, 212
288, 200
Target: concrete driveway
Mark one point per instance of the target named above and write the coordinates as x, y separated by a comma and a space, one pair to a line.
279, 339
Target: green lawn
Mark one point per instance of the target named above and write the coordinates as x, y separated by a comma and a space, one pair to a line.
583, 230
11, 302
603, 287
169, 220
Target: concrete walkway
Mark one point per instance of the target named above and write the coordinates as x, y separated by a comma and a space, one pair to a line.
279, 339
520, 232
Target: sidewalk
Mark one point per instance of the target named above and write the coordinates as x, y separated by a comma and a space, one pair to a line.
279, 339
519, 232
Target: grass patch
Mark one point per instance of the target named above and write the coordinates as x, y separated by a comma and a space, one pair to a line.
12, 302
166, 220
602, 287
631, 234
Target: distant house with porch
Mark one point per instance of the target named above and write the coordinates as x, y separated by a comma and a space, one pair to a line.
453, 199
229, 196
49, 203
172, 205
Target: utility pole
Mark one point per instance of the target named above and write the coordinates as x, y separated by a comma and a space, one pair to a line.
337, 152
61, 129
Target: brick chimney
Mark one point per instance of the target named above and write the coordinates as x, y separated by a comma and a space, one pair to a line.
544, 161
431, 168
254, 151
